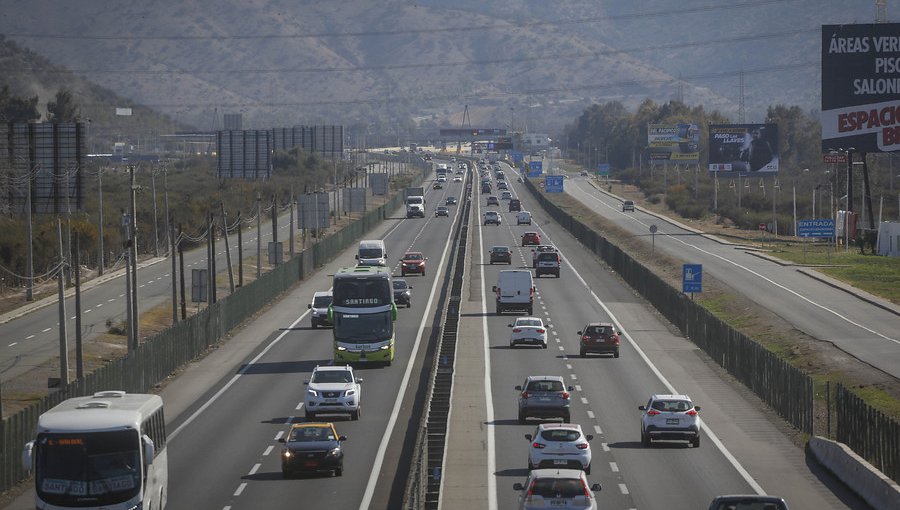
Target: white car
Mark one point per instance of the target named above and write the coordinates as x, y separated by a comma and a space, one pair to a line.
528, 330
457, 179
333, 390
506, 195
557, 488
670, 417
319, 309
559, 445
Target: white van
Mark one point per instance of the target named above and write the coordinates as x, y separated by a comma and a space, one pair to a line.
515, 291
319, 309
371, 253
523, 218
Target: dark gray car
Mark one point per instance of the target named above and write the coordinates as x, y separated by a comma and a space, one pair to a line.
544, 396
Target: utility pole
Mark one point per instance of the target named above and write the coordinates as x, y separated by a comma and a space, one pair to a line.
227, 248
240, 234
100, 262
134, 282
79, 344
63, 339
258, 236
170, 234
128, 294
29, 264
155, 224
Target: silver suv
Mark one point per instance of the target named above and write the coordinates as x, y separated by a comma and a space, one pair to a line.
544, 396
670, 417
333, 390
547, 263
319, 309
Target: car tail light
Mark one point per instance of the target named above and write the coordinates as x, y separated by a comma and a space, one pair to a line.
582, 446
587, 491
541, 331
530, 489
585, 337
517, 330
652, 412
524, 394
692, 412
565, 395
616, 339
539, 446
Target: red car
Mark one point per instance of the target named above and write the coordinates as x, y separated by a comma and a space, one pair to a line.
413, 262
531, 238
599, 337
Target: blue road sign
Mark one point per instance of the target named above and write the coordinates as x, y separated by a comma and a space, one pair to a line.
517, 157
535, 168
815, 228
692, 278
554, 184
603, 169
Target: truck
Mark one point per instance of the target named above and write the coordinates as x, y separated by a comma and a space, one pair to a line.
415, 202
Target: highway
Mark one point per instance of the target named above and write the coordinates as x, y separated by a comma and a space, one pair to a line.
226, 412
32, 338
865, 331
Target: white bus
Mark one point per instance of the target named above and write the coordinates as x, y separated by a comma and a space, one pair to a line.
104, 451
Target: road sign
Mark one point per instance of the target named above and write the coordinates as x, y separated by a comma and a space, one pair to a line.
554, 184
762, 226
535, 168
815, 228
603, 169
692, 278
835, 157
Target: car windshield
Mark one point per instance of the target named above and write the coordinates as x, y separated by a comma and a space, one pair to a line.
363, 328
672, 406
370, 253
561, 435
307, 434
321, 301
413, 256
400, 285
528, 322
545, 386
557, 488
331, 376
500, 249
543, 257
599, 330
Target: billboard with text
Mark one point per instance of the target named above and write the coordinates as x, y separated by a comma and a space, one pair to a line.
743, 148
679, 143
861, 87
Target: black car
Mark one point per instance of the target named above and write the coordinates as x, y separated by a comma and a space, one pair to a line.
451, 201
442, 211
515, 205
501, 254
486, 188
402, 292
312, 448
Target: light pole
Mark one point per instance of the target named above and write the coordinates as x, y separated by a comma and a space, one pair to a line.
512, 119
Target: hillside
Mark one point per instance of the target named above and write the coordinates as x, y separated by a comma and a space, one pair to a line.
283, 62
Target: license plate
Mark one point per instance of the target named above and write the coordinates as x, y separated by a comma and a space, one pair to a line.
544, 399
330, 400
559, 462
559, 502
671, 421
310, 463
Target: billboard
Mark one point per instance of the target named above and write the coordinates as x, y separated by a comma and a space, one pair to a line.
245, 154
354, 199
379, 183
313, 211
743, 148
861, 87
679, 143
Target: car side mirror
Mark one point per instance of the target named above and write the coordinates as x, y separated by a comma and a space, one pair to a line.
149, 450
596, 487
509, 325
357, 257
570, 388
618, 332
642, 408
518, 486
589, 437
282, 440
306, 382
359, 380
696, 408
579, 333
28, 456
528, 437
309, 305
494, 288
410, 287
519, 388
342, 438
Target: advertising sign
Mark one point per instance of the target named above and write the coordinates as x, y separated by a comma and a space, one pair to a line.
861, 87
676, 144
692, 278
603, 169
743, 148
554, 184
835, 157
535, 168
815, 228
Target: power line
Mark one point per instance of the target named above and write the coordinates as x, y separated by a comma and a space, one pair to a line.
435, 30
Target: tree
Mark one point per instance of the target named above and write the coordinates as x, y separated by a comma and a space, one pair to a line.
17, 109
63, 109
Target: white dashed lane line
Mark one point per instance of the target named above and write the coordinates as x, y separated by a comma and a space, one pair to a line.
604, 446
240, 489
254, 469
614, 467
12, 344
584, 401
45, 330
623, 488
268, 450
29, 337
590, 414
597, 430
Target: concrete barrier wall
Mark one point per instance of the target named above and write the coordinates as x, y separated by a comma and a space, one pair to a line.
872, 485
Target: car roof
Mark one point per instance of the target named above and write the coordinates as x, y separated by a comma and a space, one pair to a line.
333, 368
670, 397
529, 233
545, 378
308, 425
557, 473
504, 247
529, 318
321, 293
412, 253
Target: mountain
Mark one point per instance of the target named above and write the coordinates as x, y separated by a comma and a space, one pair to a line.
534, 63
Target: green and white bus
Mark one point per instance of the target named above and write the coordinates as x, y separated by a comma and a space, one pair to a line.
104, 451
363, 313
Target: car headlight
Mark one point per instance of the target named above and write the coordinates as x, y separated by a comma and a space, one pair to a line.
385, 347
341, 348
312, 393
350, 393
334, 452
287, 454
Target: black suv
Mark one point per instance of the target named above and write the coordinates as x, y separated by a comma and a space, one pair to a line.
547, 263
515, 205
501, 254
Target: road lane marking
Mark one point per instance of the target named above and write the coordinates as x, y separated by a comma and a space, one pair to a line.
240, 489
268, 450
590, 414
597, 430
584, 400
254, 469
29, 337
45, 330
614, 467
623, 489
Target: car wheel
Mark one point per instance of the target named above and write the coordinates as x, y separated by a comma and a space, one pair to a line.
696, 441
521, 418
545, 344
285, 474
530, 310
530, 465
310, 416
581, 353
511, 344
645, 439
616, 353
492, 262
567, 418
587, 470
314, 324
354, 415
408, 304
403, 273
557, 275
339, 471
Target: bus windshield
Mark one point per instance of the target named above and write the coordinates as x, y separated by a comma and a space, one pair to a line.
363, 328
362, 292
88, 469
